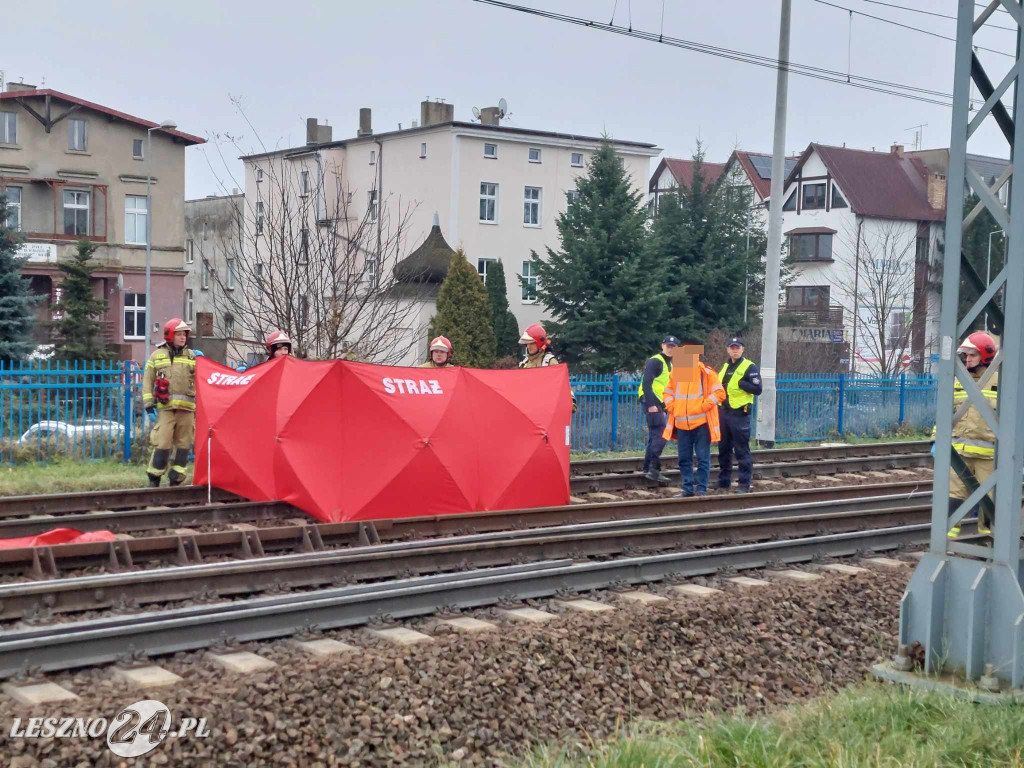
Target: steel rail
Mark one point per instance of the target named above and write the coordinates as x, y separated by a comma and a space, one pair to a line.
44, 598
78, 644
186, 546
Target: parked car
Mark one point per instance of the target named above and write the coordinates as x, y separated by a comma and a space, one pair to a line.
89, 431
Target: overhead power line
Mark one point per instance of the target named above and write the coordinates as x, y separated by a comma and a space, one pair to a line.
932, 13
856, 81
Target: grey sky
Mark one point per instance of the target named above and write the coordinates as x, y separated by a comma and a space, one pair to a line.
286, 62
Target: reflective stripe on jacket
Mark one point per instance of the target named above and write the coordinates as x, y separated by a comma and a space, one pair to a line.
972, 435
687, 403
541, 359
180, 372
737, 397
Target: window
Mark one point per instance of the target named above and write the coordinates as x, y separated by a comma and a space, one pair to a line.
232, 274
531, 206
807, 296
76, 212
837, 198
481, 267
423, 149
488, 202
135, 316
529, 283
190, 251
259, 217
259, 275
571, 196
304, 183
13, 207
303, 256
259, 175
576, 159
899, 329
373, 157
135, 214
790, 204
491, 151
921, 251
229, 326
204, 281
8, 127
371, 204
190, 306
534, 155
78, 138
814, 196
303, 311
137, 149
811, 247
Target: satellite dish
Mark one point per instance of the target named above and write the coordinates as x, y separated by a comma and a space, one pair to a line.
476, 112
502, 107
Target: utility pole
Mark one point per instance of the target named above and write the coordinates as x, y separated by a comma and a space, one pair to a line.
770, 323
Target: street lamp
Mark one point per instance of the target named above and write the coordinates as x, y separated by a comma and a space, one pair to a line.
166, 125
988, 273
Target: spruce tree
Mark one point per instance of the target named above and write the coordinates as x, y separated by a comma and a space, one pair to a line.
975, 246
464, 315
77, 331
506, 329
606, 290
16, 299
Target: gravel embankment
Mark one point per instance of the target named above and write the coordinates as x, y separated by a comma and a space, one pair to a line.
479, 698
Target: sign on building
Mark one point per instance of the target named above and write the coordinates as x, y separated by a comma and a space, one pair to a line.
814, 335
45, 253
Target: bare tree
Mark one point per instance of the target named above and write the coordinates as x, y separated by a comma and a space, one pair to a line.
301, 259
883, 294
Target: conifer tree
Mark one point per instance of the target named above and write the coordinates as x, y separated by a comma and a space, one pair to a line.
506, 329
77, 329
16, 299
464, 315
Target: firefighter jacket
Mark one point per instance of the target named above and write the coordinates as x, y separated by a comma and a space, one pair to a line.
179, 368
539, 360
691, 404
972, 435
432, 364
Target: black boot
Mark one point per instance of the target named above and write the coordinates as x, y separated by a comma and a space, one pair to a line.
154, 480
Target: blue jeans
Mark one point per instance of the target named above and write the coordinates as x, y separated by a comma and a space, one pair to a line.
694, 441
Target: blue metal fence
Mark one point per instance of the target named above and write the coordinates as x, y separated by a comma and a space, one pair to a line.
93, 410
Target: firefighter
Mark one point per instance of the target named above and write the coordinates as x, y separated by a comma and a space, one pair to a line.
440, 354
169, 390
651, 393
278, 345
538, 352
973, 439
742, 382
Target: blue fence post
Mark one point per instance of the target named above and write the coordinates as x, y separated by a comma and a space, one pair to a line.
903, 396
127, 414
615, 409
842, 400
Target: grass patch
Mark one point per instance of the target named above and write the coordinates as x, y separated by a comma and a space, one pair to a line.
870, 725
69, 475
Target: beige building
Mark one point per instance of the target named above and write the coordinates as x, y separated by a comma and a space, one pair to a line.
496, 190
72, 169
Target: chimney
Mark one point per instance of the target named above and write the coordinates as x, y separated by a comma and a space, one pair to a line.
937, 191
19, 87
365, 126
435, 112
897, 149
490, 116
316, 133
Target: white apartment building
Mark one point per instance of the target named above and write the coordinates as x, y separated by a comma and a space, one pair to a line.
496, 190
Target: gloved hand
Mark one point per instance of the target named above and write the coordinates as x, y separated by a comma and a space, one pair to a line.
151, 410
708, 406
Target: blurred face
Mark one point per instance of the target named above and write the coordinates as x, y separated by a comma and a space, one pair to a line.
685, 360
282, 350
440, 357
972, 358
531, 348
668, 349
180, 337
735, 352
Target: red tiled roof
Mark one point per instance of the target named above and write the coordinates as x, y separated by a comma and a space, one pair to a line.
39, 92
879, 184
682, 172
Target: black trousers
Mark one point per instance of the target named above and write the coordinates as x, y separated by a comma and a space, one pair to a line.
655, 441
735, 439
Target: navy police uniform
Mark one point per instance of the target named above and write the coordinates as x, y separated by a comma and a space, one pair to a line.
742, 382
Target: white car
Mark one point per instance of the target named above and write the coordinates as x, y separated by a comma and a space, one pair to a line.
86, 433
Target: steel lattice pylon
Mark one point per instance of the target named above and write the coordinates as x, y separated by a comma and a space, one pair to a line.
964, 603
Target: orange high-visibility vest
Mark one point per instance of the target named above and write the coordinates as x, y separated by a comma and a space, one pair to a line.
686, 402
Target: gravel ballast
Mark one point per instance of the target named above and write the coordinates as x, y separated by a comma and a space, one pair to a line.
481, 698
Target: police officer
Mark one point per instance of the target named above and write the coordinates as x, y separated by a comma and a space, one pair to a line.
742, 382
652, 398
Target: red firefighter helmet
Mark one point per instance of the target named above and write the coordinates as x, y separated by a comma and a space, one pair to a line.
441, 344
535, 334
174, 325
982, 343
278, 338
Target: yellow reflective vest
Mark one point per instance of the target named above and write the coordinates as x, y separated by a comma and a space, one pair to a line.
737, 397
180, 371
660, 381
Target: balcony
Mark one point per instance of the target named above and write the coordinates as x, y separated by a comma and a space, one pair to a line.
821, 317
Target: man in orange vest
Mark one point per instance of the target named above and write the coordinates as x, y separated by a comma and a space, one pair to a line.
692, 397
